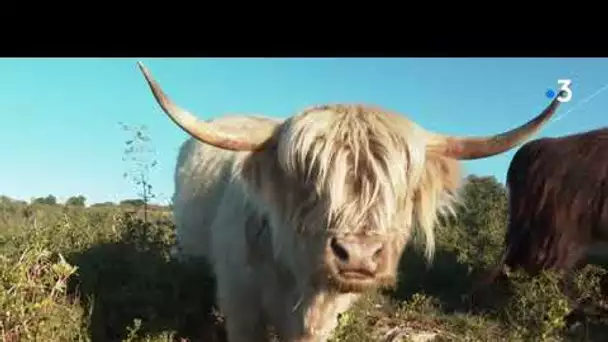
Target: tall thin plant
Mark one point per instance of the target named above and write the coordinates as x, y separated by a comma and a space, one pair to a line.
140, 155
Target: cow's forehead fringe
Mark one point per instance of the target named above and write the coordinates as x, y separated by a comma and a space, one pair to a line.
360, 166
364, 161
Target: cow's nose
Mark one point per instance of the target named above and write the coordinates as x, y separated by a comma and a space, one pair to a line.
357, 254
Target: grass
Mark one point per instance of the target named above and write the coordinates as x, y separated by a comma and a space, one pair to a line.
102, 274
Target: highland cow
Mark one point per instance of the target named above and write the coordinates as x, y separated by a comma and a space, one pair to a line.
300, 217
558, 202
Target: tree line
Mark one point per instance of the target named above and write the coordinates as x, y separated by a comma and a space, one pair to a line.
77, 201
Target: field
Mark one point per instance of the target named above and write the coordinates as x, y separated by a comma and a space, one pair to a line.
103, 273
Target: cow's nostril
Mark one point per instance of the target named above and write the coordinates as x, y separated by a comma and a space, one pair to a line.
339, 250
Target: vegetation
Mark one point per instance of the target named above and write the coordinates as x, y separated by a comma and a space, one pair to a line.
140, 156
78, 201
103, 272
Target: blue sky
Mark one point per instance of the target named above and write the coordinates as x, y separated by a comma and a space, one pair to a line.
60, 131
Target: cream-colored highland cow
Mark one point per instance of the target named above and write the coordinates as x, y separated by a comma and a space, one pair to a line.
299, 217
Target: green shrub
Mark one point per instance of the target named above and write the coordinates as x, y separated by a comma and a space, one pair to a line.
538, 307
34, 305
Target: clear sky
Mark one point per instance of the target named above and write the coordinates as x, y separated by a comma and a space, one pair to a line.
60, 131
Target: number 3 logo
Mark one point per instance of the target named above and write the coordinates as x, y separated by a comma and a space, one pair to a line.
565, 86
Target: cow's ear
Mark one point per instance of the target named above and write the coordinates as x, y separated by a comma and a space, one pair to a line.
447, 170
262, 172
439, 182
435, 194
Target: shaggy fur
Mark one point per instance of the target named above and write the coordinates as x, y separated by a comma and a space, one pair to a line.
268, 213
558, 201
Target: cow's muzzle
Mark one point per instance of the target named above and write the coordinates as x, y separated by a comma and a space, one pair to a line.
356, 261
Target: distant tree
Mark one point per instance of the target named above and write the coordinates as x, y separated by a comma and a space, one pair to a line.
8, 208
77, 201
141, 156
103, 204
50, 200
6, 200
133, 202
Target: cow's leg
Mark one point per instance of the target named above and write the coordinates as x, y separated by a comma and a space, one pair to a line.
572, 264
244, 318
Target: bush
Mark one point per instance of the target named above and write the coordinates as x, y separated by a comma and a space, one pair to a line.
100, 274
34, 305
538, 309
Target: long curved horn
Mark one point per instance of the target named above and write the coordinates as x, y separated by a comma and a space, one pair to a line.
207, 132
465, 148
